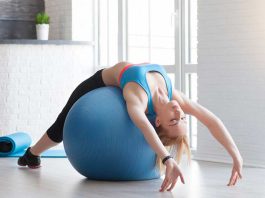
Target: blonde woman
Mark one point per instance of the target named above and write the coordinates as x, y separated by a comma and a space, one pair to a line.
156, 109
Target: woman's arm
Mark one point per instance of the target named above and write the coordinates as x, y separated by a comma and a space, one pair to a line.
139, 118
215, 126
136, 110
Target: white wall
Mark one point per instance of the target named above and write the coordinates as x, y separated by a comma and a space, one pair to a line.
60, 12
36, 82
231, 70
70, 19
82, 20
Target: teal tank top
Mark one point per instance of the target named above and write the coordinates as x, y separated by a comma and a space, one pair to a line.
135, 73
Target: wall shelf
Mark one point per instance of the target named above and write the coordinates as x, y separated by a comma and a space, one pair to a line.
46, 42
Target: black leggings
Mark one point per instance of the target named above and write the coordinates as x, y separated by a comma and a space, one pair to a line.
55, 132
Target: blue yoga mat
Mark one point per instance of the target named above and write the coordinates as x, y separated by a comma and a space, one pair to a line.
14, 145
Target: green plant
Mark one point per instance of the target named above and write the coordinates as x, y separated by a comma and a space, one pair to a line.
42, 18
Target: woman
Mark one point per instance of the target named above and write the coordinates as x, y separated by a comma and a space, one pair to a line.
148, 93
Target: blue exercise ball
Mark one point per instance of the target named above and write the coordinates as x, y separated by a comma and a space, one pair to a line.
101, 141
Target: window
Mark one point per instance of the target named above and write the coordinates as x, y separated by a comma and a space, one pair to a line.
146, 32
157, 31
191, 92
189, 60
151, 31
107, 32
191, 31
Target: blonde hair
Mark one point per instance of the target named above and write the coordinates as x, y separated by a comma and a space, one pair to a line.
176, 147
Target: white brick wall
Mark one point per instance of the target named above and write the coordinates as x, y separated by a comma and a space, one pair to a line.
231, 74
36, 81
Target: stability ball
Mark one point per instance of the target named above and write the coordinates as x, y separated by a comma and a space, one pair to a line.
101, 141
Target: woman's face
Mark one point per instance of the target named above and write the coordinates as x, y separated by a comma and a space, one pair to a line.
172, 119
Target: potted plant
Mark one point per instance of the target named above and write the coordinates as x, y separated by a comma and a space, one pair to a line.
42, 21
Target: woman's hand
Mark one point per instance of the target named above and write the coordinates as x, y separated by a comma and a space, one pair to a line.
236, 171
171, 176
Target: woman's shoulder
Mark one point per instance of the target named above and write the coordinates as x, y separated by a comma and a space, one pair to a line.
135, 95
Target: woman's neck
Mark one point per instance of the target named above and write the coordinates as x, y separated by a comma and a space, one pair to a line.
159, 99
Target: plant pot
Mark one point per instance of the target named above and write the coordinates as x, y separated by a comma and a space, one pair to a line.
42, 31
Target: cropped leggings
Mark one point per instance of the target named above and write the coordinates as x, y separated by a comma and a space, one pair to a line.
55, 132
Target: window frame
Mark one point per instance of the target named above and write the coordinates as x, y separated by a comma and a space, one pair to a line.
186, 68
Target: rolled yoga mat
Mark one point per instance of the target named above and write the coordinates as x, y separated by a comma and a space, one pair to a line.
14, 145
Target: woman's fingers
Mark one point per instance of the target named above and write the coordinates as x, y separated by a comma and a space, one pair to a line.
172, 174
172, 185
182, 178
240, 176
164, 184
235, 180
167, 185
232, 178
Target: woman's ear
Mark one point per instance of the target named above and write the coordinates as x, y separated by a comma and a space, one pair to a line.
157, 121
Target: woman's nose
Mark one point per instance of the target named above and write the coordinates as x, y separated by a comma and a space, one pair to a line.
177, 113
176, 108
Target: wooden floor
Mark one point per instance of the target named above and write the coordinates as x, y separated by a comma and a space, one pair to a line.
56, 178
